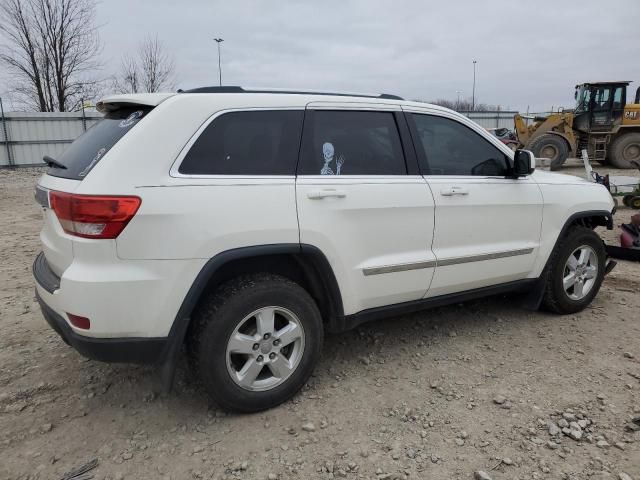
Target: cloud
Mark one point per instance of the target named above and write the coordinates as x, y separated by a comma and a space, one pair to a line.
529, 54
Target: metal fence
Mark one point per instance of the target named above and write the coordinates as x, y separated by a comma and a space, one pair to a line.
494, 119
26, 136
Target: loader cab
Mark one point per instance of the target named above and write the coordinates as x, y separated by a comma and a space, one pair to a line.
599, 106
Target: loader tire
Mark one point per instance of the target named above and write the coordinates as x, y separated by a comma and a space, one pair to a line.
624, 150
550, 146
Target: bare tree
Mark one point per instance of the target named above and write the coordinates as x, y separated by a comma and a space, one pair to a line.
464, 105
128, 81
151, 71
50, 48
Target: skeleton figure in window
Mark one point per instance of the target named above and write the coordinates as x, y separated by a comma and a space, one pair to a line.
328, 153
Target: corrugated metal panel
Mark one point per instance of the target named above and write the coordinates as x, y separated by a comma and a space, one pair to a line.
496, 119
31, 154
34, 134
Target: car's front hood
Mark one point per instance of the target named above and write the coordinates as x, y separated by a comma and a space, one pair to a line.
546, 177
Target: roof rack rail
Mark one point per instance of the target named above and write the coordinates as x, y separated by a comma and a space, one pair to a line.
236, 89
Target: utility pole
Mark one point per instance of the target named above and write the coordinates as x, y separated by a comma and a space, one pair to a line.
473, 95
84, 117
219, 41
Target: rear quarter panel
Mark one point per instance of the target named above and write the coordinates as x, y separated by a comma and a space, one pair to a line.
192, 217
199, 218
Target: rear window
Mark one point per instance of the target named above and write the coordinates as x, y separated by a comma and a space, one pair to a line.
87, 150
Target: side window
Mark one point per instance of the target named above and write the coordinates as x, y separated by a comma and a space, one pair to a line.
247, 143
450, 148
617, 98
352, 143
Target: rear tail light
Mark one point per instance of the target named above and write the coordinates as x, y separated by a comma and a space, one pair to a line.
93, 216
79, 322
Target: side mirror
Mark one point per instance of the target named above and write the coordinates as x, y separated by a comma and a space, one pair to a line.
524, 163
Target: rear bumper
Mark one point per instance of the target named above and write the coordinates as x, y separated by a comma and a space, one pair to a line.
144, 350
115, 350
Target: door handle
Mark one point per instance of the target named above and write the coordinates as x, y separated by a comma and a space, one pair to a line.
448, 192
320, 194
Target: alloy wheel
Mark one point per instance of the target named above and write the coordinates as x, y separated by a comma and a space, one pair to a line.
265, 348
580, 272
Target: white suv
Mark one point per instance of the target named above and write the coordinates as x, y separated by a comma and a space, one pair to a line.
243, 224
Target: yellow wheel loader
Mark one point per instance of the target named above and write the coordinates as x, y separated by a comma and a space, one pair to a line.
602, 123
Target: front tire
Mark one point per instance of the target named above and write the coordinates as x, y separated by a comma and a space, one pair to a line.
256, 341
550, 146
575, 271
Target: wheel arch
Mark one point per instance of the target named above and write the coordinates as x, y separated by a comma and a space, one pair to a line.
304, 264
570, 143
567, 140
590, 219
586, 218
622, 129
559, 124
559, 141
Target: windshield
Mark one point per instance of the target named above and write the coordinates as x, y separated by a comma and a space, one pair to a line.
583, 95
87, 150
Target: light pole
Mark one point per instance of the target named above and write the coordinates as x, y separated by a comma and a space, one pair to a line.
219, 41
473, 95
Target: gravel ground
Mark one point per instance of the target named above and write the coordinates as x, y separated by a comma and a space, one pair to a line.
482, 386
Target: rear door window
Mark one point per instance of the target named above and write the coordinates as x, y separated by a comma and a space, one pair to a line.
261, 142
352, 143
89, 148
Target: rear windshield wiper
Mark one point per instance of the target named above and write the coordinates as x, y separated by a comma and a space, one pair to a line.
53, 163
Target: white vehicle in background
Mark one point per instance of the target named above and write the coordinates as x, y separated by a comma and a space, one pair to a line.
244, 224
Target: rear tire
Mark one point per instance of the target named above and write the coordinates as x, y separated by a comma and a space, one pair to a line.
624, 150
264, 310
575, 271
634, 202
551, 146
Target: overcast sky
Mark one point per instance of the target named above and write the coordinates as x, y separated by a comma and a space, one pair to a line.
529, 53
